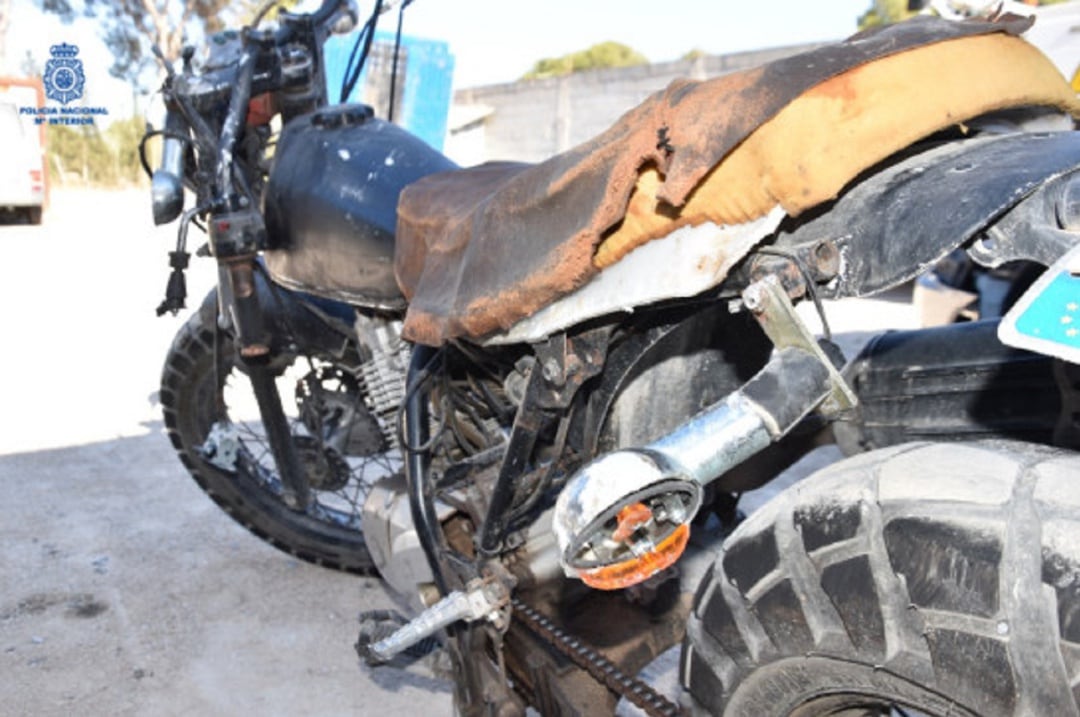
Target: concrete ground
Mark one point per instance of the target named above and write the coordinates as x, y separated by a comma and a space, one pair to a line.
123, 589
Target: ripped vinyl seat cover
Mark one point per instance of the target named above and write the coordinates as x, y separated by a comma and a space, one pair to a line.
479, 249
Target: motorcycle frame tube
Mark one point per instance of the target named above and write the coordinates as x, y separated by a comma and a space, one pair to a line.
418, 463
469, 688
527, 426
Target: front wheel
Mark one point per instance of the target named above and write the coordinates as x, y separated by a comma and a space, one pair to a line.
937, 579
212, 419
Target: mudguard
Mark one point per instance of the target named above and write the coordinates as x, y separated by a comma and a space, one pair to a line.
898, 223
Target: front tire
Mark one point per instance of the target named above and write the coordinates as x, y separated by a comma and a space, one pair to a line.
197, 398
937, 578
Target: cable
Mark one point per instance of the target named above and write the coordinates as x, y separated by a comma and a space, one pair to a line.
168, 134
365, 38
394, 65
811, 289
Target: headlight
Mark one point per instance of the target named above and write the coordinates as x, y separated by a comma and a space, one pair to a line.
167, 184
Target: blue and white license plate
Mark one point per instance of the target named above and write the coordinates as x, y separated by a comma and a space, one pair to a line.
1046, 319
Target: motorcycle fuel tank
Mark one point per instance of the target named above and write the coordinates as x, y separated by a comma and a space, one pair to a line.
331, 203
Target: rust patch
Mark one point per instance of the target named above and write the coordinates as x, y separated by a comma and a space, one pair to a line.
482, 248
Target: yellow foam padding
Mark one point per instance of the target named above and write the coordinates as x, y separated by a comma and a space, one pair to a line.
829, 134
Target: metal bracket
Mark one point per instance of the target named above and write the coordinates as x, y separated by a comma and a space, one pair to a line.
221, 446
567, 362
769, 303
1024, 241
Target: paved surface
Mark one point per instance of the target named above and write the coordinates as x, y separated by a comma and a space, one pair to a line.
123, 589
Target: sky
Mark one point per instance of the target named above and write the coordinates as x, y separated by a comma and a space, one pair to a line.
497, 41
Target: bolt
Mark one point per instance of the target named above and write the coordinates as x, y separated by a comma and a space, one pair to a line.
551, 371
826, 259
754, 298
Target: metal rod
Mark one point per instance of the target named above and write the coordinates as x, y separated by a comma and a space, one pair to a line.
523, 436
297, 494
418, 463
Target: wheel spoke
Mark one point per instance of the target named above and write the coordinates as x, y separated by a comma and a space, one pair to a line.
338, 506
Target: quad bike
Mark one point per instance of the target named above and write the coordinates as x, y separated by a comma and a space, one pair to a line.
530, 396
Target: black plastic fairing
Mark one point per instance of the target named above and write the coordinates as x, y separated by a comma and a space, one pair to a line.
331, 203
948, 383
895, 224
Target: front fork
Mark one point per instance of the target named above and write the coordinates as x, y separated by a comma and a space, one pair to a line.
239, 304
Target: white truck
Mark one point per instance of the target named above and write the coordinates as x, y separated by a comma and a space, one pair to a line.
23, 174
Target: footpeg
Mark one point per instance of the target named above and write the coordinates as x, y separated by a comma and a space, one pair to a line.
482, 600
377, 625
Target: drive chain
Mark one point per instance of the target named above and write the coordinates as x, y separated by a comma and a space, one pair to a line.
599, 667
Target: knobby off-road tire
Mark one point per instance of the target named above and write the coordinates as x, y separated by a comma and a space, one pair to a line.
192, 401
940, 578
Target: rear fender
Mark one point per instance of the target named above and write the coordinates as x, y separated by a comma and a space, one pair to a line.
897, 223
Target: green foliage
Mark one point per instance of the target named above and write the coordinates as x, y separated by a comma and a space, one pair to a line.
84, 155
604, 54
885, 12
129, 28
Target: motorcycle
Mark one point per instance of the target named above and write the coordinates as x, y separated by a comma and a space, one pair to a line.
529, 397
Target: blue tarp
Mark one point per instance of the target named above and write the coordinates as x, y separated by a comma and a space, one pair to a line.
426, 92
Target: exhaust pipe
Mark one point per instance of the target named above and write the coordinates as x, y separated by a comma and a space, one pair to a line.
626, 515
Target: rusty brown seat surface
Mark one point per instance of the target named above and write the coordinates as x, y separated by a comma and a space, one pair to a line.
481, 248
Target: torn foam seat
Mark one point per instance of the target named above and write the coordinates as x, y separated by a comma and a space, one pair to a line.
480, 249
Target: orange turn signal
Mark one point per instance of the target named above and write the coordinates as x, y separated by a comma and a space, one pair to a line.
629, 520
640, 568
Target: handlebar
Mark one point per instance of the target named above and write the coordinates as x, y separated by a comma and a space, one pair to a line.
317, 19
326, 11
195, 92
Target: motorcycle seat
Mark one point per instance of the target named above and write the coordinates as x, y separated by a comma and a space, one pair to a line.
482, 248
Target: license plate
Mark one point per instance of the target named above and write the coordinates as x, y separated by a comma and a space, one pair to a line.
1046, 319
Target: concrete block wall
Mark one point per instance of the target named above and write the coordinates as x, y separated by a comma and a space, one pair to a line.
535, 119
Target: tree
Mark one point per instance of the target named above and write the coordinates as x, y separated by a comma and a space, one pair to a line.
604, 54
885, 12
131, 27
96, 158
